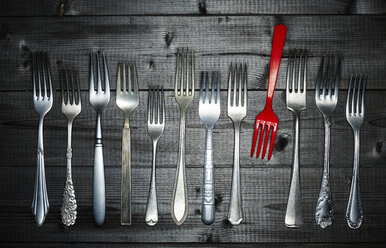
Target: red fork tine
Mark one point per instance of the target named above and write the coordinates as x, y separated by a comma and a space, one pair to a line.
273, 137
267, 134
255, 133
260, 138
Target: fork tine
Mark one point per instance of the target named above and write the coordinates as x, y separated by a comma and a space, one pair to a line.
193, 72
66, 86
337, 76
305, 73
271, 145
325, 77
92, 87
61, 77
319, 79
124, 88
158, 105
118, 78
363, 96
163, 104
213, 87
106, 71
73, 86
99, 89
149, 106
331, 77
230, 85
202, 88
129, 86
33, 59
260, 138
300, 72
177, 72
245, 85
188, 69
348, 96
206, 87
218, 88
48, 74
241, 79
44, 71
236, 76
135, 79
353, 95
293, 70
77, 87
39, 74
255, 138
358, 94
183, 70
288, 73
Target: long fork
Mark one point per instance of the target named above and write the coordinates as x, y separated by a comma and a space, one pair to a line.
355, 114
296, 102
71, 107
209, 112
267, 121
41, 76
184, 94
99, 99
155, 128
326, 98
237, 110
127, 99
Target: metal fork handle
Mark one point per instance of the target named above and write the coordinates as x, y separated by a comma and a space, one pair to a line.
151, 209
354, 213
324, 214
207, 212
179, 204
99, 197
126, 175
40, 204
235, 213
294, 213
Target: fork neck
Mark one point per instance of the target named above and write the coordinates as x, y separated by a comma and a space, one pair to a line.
98, 129
127, 120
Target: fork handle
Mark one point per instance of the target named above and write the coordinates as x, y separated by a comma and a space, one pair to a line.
98, 189
294, 213
126, 177
354, 213
279, 34
207, 213
151, 216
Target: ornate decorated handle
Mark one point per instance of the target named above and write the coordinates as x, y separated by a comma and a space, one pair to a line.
207, 213
68, 211
126, 177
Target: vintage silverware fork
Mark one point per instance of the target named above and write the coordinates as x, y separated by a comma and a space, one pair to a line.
237, 110
41, 78
296, 102
71, 107
184, 94
155, 128
99, 99
355, 114
127, 100
326, 98
209, 111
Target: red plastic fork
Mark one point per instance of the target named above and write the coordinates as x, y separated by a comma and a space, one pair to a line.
267, 119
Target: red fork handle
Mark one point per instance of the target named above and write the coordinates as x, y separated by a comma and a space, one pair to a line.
277, 50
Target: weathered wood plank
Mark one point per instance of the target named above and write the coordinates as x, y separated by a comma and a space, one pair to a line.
264, 193
19, 133
185, 7
152, 42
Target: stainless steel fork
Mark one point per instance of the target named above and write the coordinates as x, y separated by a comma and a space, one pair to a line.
71, 107
209, 111
355, 115
184, 94
155, 128
237, 110
326, 101
296, 102
127, 99
41, 78
99, 99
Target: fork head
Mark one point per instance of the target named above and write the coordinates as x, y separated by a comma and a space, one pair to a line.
184, 80
355, 108
237, 92
99, 98
71, 99
156, 113
127, 94
41, 78
327, 85
296, 81
209, 104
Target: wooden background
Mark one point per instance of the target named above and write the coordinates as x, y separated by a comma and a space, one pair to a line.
148, 32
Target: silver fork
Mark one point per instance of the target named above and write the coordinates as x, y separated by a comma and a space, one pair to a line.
209, 111
326, 101
355, 114
127, 99
237, 110
99, 99
296, 102
41, 76
184, 94
71, 107
155, 128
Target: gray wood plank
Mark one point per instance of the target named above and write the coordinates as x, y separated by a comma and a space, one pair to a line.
19, 133
197, 7
152, 42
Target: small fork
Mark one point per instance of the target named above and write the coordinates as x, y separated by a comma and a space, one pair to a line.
355, 115
209, 111
155, 128
99, 99
41, 76
71, 107
296, 102
184, 94
237, 110
127, 99
326, 100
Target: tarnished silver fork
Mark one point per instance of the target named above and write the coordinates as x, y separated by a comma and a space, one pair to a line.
99, 99
71, 107
184, 94
326, 98
237, 110
296, 102
355, 115
127, 99
155, 128
209, 112
41, 78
